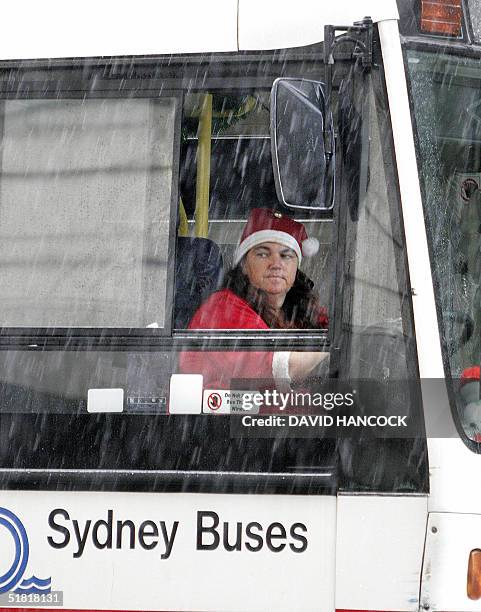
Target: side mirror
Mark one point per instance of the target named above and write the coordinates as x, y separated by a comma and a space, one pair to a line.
302, 143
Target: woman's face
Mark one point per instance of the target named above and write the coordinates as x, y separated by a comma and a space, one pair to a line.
271, 267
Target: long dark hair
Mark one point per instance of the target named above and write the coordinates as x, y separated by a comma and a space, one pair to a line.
301, 308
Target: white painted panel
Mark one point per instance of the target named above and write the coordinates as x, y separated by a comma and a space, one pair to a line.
450, 538
379, 552
105, 400
185, 396
454, 470
112, 573
425, 317
55, 28
270, 24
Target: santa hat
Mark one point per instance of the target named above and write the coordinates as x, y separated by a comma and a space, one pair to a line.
264, 225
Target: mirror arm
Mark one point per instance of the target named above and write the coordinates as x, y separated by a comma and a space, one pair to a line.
361, 35
329, 42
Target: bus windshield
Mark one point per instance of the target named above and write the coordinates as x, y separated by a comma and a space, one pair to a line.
447, 111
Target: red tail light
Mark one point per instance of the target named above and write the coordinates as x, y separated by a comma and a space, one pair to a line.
474, 575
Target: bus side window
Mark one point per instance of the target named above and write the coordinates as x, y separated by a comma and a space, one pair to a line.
231, 162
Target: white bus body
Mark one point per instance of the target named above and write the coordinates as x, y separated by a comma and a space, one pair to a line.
132, 549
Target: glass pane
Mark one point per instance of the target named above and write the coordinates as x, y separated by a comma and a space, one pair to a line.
165, 421
85, 197
241, 179
445, 94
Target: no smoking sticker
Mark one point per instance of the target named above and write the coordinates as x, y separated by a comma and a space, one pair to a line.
227, 401
216, 401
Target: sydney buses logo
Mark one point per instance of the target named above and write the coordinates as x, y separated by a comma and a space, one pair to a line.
12, 528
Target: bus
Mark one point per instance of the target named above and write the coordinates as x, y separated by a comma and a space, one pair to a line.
136, 140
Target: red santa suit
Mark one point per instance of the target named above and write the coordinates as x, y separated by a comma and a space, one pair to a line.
225, 310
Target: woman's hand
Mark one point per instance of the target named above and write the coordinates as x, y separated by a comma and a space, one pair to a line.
301, 364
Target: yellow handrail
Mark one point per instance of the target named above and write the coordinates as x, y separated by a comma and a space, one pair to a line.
202, 184
183, 223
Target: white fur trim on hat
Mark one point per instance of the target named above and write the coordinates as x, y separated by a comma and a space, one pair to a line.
268, 235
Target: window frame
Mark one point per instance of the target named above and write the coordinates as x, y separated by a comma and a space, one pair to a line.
142, 78
37, 337
171, 435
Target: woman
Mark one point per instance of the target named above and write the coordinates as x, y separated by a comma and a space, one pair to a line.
264, 290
